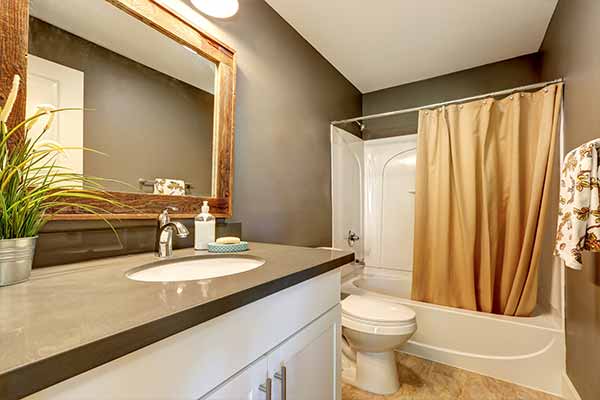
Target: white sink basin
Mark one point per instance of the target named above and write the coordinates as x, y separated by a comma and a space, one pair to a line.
194, 268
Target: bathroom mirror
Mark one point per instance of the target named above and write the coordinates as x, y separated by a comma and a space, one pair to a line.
148, 100
157, 95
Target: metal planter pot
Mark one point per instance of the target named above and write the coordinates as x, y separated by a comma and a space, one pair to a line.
16, 258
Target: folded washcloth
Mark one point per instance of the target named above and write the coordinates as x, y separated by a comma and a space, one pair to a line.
579, 205
172, 187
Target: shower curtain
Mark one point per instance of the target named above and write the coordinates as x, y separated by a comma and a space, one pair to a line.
482, 190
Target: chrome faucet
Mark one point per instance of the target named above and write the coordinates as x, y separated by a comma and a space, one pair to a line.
164, 233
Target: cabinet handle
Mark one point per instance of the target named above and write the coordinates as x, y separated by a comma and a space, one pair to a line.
266, 388
282, 376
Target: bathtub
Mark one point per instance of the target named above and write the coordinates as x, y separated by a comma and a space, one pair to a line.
526, 351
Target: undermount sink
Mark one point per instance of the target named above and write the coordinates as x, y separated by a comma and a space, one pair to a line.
194, 268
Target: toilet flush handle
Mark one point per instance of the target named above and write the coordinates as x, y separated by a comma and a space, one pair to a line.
352, 237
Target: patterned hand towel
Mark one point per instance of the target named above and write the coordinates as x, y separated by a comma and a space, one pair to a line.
579, 205
172, 187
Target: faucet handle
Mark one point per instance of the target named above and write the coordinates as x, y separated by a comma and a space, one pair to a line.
163, 217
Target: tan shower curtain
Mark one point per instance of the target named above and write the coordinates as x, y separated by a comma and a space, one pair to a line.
483, 180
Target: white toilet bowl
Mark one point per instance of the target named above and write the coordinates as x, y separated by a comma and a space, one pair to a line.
372, 329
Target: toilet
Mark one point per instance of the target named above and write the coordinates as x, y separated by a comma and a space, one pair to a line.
372, 328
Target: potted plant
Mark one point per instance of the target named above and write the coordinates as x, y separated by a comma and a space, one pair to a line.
34, 187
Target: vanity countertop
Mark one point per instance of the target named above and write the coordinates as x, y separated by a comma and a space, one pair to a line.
69, 319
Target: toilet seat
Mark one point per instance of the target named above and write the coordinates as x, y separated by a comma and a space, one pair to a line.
372, 315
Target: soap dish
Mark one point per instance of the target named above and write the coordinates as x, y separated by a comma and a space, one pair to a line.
214, 247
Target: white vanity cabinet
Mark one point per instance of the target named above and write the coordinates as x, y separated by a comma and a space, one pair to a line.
296, 330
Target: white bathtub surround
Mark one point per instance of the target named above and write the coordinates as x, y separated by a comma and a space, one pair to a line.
390, 166
526, 351
347, 158
373, 195
372, 329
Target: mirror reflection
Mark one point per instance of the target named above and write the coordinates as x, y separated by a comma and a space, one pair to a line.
149, 100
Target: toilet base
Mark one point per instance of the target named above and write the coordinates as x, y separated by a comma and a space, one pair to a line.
372, 372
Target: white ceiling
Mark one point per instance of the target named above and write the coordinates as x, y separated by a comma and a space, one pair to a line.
382, 43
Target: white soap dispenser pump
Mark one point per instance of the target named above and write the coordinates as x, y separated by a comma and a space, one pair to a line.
204, 228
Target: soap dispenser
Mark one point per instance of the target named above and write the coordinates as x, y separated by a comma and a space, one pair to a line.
204, 228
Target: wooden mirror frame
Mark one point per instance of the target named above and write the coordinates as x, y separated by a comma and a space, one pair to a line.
14, 22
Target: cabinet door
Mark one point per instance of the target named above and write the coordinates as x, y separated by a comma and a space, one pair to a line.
244, 385
307, 365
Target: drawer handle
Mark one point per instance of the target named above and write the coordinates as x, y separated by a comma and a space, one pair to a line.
266, 388
282, 376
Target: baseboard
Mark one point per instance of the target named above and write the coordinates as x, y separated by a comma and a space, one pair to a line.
568, 389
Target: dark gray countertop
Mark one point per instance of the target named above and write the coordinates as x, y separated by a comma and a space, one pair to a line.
69, 319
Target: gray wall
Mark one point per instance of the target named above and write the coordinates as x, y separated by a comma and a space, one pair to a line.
570, 49
286, 95
137, 115
488, 78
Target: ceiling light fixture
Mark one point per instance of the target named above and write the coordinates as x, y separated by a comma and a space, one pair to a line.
217, 8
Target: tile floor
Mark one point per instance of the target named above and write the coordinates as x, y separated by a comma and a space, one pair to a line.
427, 380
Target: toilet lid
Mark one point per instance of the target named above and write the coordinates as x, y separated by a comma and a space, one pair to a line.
373, 309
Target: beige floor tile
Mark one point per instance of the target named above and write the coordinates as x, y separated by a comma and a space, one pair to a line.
427, 380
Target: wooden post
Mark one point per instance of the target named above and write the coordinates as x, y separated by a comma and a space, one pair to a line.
14, 21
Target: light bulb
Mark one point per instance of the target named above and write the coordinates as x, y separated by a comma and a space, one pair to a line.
217, 8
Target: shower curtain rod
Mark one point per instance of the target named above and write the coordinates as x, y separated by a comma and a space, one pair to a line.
481, 96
